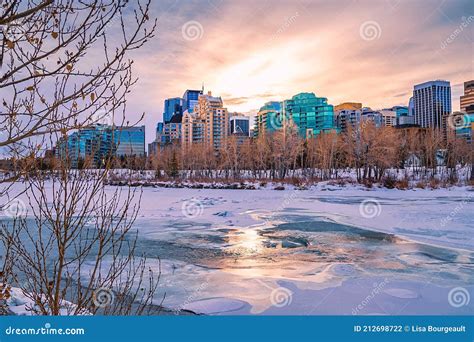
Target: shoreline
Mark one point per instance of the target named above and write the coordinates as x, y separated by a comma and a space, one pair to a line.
279, 186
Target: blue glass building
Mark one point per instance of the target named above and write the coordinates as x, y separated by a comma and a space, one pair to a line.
129, 141
190, 99
432, 103
239, 125
312, 115
172, 107
160, 127
99, 142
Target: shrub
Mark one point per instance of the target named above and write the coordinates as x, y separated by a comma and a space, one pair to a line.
389, 182
402, 184
420, 185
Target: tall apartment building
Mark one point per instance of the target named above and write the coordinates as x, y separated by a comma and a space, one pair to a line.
312, 115
268, 119
207, 122
432, 104
464, 123
467, 100
192, 129
355, 118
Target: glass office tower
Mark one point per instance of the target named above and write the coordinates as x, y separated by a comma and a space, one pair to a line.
190, 98
312, 115
172, 107
432, 103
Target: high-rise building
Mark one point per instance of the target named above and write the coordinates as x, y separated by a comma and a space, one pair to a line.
208, 123
160, 127
99, 142
389, 117
405, 115
463, 121
129, 141
462, 124
190, 98
312, 115
345, 106
411, 108
432, 104
192, 129
355, 118
467, 100
239, 125
172, 107
268, 119
347, 118
84, 143
154, 147
166, 134
401, 110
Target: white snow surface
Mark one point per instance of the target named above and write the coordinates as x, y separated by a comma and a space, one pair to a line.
221, 251
21, 305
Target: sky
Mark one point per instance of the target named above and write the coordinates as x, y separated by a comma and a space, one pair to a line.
250, 52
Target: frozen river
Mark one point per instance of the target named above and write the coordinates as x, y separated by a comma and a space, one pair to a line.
327, 250
312, 252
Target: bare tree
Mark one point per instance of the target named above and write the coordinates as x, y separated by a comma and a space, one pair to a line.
64, 66
79, 246
62, 69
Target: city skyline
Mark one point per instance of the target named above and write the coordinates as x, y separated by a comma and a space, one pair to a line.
344, 50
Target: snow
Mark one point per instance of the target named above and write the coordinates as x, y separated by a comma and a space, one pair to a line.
325, 250
242, 258
21, 305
